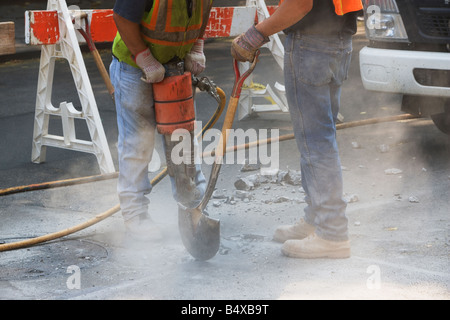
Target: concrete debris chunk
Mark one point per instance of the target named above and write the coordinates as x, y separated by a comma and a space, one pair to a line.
243, 184
397, 197
280, 199
281, 176
269, 172
241, 194
257, 179
356, 145
392, 171
219, 194
292, 177
350, 198
383, 148
268, 181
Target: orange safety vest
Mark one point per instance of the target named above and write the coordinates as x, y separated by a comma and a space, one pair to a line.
342, 7
167, 23
168, 30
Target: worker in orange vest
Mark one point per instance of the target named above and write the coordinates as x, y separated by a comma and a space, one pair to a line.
153, 38
318, 49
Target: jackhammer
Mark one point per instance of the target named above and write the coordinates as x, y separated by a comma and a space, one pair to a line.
175, 110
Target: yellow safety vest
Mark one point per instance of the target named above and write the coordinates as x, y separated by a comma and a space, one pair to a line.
168, 30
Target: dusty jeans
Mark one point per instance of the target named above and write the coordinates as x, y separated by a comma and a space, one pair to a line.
137, 130
315, 68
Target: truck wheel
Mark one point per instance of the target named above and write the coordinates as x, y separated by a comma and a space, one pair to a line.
442, 121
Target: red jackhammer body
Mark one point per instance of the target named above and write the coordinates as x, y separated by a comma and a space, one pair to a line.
174, 103
175, 109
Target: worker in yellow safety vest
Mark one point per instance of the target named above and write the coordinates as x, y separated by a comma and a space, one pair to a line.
154, 36
318, 49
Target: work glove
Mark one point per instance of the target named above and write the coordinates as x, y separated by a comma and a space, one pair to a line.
153, 70
195, 60
244, 47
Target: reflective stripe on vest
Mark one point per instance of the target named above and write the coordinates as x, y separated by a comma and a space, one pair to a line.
345, 6
168, 23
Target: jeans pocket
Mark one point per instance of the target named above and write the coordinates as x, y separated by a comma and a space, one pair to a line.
344, 67
313, 67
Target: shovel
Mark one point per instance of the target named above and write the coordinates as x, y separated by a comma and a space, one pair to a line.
199, 233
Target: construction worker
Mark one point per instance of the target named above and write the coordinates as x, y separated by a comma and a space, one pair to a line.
318, 50
152, 37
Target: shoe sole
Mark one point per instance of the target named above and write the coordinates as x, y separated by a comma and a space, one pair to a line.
335, 254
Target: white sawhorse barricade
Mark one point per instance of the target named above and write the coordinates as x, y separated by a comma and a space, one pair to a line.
54, 30
67, 47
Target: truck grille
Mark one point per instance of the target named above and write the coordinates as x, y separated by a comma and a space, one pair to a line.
435, 25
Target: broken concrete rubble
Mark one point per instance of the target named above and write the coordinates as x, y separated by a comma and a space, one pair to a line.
292, 177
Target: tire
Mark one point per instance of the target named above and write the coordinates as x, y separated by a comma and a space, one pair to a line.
442, 120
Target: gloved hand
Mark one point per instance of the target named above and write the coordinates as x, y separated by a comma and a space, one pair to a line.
195, 60
244, 47
153, 70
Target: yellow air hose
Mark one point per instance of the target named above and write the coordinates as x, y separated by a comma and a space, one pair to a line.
160, 176
101, 216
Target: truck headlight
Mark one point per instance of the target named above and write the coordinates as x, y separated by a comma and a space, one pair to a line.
383, 21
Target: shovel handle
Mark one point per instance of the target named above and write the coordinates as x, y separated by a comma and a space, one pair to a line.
239, 82
233, 103
220, 150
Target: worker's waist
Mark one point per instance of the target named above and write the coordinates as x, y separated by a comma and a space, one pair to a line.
332, 35
173, 67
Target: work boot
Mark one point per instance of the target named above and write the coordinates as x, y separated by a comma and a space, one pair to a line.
143, 228
298, 231
314, 247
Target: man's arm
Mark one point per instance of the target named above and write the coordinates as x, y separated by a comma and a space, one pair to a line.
127, 21
287, 14
130, 33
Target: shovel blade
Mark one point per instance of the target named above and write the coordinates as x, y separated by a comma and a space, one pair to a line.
201, 240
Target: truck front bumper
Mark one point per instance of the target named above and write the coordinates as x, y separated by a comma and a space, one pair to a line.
392, 71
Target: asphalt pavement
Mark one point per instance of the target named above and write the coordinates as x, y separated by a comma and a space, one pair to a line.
396, 180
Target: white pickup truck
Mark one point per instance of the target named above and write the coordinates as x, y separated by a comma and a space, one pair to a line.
409, 53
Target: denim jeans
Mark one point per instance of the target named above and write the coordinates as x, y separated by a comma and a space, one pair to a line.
136, 140
314, 69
